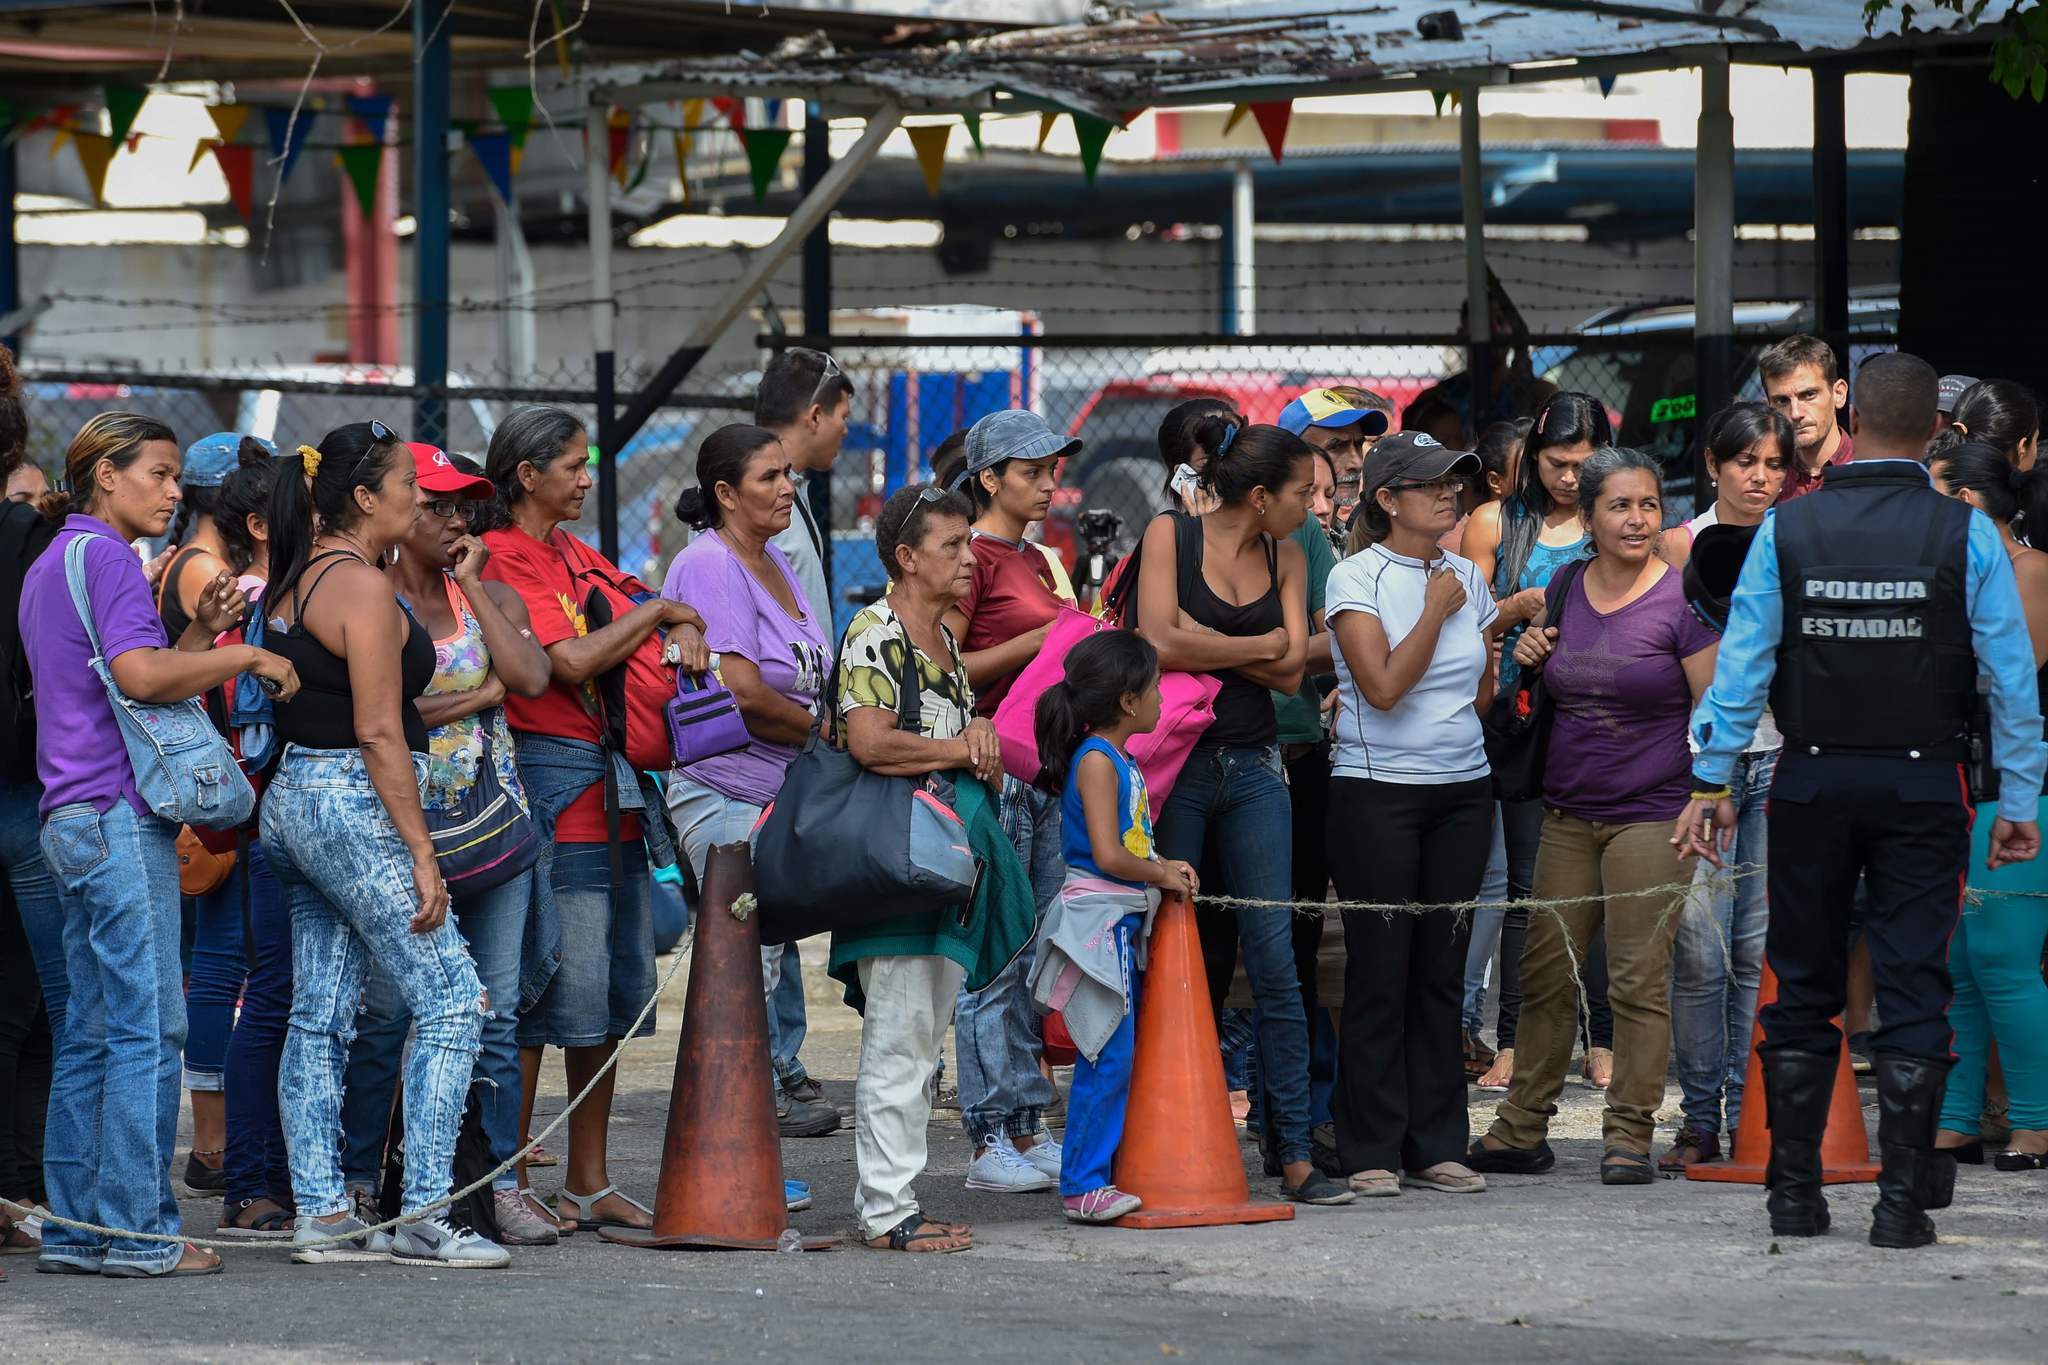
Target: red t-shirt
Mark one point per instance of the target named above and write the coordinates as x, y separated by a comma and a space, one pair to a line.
1013, 592
540, 573
1798, 483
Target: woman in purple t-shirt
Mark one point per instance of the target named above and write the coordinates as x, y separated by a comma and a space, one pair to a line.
1625, 661
768, 646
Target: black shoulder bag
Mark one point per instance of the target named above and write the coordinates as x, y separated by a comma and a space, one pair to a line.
1517, 727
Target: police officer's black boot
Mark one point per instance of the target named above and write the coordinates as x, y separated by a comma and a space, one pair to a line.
1915, 1177
1798, 1087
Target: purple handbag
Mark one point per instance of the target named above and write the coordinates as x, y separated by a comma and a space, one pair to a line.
703, 720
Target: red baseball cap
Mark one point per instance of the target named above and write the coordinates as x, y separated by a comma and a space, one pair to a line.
438, 474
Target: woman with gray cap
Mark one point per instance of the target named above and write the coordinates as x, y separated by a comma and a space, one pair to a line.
1011, 467
1411, 816
217, 967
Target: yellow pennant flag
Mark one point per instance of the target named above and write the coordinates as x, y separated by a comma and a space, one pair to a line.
1237, 113
58, 138
1045, 123
228, 120
95, 154
516, 154
693, 115
206, 144
929, 140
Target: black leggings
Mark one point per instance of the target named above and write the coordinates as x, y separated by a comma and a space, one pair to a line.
1522, 831
25, 1060
1400, 1101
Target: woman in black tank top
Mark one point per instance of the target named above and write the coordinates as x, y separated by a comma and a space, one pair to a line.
343, 824
1224, 594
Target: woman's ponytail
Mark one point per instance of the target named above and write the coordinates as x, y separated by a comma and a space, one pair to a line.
291, 525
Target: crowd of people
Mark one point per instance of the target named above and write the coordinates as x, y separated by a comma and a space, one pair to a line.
440, 693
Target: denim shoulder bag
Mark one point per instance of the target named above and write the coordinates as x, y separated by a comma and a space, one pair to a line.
184, 769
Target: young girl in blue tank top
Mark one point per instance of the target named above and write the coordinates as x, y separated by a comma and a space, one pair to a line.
1091, 942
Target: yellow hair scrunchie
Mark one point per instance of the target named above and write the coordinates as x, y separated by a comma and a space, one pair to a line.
311, 456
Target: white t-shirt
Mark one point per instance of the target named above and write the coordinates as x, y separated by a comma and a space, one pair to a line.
1432, 735
1767, 736
799, 546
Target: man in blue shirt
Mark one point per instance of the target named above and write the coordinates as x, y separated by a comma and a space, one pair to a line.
1867, 612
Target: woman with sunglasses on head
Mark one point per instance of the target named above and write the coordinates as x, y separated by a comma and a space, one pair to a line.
1995, 955
113, 1107
343, 825
1223, 593
1411, 815
594, 971
1518, 544
483, 653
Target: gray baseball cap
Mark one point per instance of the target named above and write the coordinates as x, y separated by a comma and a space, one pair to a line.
1012, 434
1950, 391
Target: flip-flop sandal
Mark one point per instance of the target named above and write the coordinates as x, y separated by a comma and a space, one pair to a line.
917, 1228
1621, 1167
541, 1156
2021, 1161
586, 1202
565, 1226
122, 1270
273, 1224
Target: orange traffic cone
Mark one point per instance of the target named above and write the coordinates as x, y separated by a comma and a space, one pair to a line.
721, 1163
1179, 1152
1844, 1148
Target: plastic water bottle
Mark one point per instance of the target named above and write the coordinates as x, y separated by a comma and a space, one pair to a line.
790, 1240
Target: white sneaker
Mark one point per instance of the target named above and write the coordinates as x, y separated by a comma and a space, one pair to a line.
436, 1241
1002, 1169
1045, 1155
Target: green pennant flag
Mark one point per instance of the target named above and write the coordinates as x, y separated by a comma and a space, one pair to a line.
972, 118
1091, 133
514, 104
362, 165
124, 102
765, 147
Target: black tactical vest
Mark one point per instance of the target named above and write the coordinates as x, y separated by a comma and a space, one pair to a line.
1876, 655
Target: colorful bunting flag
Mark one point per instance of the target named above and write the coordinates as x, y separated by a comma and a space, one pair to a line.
514, 104
1441, 96
972, 118
765, 147
1126, 120
95, 154
124, 102
205, 145
287, 137
1045, 123
561, 37
682, 144
735, 111
57, 141
361, 165
618, 129
228, 120
374, 112
1606, 86
929, 141
1091, 133
1237, 113
1273, 116
494, 153
238, 168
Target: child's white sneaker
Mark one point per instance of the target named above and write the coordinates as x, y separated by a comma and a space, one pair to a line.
1002, 1169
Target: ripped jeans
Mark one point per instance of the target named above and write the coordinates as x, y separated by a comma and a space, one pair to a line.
493, 924
347, 881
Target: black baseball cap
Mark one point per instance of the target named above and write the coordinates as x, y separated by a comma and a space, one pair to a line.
1711, 573
1413, 457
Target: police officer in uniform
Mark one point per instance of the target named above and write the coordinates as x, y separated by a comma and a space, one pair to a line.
1867, 611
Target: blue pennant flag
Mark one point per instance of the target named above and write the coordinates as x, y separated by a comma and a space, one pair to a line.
494, 152
374, 111
281, 122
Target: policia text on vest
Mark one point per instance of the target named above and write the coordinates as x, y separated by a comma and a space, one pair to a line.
1820, 592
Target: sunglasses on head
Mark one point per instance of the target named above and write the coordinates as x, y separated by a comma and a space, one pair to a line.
829, 370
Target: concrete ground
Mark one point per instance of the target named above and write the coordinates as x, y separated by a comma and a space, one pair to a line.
1548, 1268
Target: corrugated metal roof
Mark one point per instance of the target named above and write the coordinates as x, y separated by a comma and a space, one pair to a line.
1217, 51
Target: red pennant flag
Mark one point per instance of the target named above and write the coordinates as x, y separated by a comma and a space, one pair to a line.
735, 111
619, 131
238, 165
1273, 116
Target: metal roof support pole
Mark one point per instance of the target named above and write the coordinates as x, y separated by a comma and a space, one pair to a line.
430, 75
1713, 258
1831, 209
1240, 277
10, 253
1478, 312
818, 299
812, 213
597, 194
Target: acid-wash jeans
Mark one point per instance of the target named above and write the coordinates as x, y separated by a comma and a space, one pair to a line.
114, 1098
1718, 959
1230, 817
995, 1029
347, 877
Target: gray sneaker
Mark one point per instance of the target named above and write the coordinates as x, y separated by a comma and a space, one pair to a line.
436, 1241
358, 1244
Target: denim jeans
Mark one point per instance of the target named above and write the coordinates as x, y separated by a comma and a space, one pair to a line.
704, 818
257, 1167
1229, 815
1717, 961
607, 967
31, 969
995, 1029
348, 880
35, 893
114, 1099
213, 983
1486, 926
492, 924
